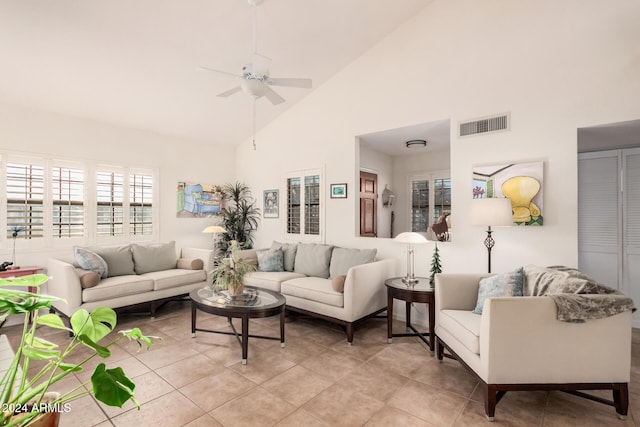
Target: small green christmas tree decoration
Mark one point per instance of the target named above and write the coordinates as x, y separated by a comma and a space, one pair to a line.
436, 267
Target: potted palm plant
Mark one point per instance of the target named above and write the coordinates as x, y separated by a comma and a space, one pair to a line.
26, 396
240, 216
230, 271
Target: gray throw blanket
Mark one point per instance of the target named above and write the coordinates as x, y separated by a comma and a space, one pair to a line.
577, 296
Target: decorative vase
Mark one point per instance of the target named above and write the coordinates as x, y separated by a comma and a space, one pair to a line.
236, 289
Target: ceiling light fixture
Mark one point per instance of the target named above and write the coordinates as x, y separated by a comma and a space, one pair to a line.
416, 143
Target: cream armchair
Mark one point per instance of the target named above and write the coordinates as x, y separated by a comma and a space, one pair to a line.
518, 344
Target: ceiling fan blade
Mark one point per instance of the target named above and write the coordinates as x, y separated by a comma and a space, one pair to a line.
301, 83
260, 64
218, 71
273, 96
229, 92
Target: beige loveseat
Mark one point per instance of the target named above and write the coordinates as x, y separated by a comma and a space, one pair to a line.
518, 343
340, 285
135, 274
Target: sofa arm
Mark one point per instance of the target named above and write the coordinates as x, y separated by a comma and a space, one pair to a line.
64, 283
364, 291
522, 341
457, 291
206, 255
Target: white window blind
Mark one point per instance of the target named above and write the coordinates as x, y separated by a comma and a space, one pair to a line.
304, 205
25, 198
67, 194
110, 203
140, 204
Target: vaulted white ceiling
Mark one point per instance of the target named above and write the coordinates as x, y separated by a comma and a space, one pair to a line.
133, 62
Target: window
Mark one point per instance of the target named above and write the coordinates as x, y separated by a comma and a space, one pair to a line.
54, 202
67, 194
140, 204
427, 207
25, 198
304, 205
110, 204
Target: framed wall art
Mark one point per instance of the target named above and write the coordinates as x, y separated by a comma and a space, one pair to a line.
338, 191
270, 206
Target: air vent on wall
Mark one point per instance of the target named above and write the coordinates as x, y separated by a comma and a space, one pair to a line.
485, 125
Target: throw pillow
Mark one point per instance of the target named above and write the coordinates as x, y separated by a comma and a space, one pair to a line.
501, 285
89, 260
289, 250
118, 258
155, 257
337, 283
343, 259
270, 260
88, 279
313, 260
190, 264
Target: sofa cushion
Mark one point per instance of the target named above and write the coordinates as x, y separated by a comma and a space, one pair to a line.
313, 260
270, 260
190, 264
165, 279
501, 285
155, 257
464, 325
313, 289
289, 251
249, 256
88, 279
118, 259
343, 259
337, 283
89, 260
118, 286
271, 280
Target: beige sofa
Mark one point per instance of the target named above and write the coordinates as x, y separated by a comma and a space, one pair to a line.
138, 274
309, 276
517, 343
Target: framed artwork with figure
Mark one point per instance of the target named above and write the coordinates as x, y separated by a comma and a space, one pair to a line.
270, 204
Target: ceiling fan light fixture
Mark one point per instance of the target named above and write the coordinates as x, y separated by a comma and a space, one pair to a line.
254, 88
416, 143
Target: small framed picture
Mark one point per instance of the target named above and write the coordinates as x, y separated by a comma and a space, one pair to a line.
338, 191
270, 204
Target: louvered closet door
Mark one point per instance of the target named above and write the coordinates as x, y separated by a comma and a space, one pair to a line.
600, 216
631, 227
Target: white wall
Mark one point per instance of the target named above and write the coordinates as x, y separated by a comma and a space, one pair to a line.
556, 66
37, 132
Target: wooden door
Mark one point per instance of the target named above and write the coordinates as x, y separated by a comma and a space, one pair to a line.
368, 204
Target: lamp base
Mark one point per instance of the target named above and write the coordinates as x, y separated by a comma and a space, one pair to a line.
410, 280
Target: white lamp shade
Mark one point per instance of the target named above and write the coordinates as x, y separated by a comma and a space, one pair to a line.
410, 237
214, 229
491, 212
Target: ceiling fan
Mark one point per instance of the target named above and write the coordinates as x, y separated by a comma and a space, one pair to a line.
254, 79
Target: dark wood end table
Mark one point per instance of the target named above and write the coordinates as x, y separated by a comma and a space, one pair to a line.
255, 303
420, 292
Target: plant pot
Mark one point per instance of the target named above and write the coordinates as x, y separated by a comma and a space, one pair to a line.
236, 290
45, 419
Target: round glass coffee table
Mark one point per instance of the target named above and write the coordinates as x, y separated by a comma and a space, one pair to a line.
253, 303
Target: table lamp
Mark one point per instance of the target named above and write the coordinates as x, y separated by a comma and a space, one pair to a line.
411, 239
491, 212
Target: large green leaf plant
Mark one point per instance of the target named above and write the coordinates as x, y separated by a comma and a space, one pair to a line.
24, 395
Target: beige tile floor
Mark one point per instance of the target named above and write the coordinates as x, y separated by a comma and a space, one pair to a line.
316, 380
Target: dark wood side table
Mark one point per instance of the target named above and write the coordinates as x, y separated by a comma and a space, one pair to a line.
420, 292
